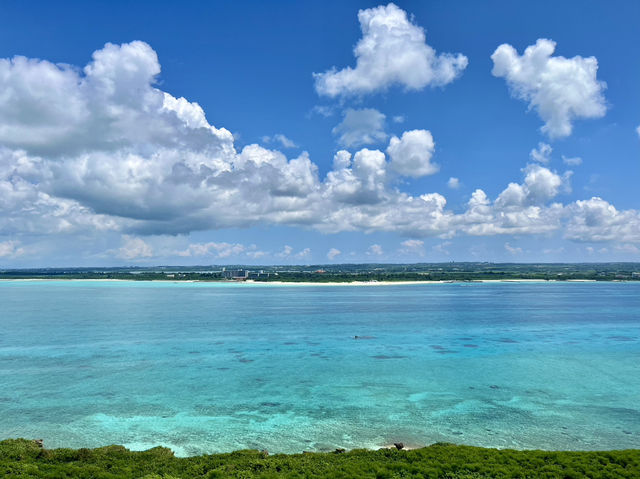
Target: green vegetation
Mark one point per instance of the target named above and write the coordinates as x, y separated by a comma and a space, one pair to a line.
24, 458
351, 272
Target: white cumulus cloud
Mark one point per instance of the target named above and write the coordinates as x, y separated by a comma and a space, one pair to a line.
333, 252
560, 89
134, 248
411, 154
540, 185
453, 183
115, 154
598, 220
542, 154
392, 51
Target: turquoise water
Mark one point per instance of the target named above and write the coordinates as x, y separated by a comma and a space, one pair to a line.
203, 367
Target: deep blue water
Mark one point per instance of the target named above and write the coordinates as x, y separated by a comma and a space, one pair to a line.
203, 367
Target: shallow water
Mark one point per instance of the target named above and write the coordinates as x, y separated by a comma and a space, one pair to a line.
202, 367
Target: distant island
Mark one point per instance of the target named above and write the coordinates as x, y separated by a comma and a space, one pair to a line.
346, 273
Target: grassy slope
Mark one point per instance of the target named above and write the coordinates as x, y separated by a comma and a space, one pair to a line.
23, 458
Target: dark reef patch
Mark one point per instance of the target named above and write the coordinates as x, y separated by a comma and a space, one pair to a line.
621, 338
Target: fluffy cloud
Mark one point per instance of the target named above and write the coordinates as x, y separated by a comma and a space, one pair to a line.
522, 208
360, 127
116, 154
638, 131
542, 154
411, 154
375, 249
453, 183
133, 248
540, 185
392, 51
597, 220
333, 252
559, 89
288, 253
156, 166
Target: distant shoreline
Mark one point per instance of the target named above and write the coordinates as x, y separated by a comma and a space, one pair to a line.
314, 283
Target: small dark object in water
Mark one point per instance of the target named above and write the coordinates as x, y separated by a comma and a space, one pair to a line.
626, 432
493, 386
398, 445
364, 337
339, 451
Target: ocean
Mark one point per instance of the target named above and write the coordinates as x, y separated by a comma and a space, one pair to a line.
216, 367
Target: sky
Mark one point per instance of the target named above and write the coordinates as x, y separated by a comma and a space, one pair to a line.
251, 132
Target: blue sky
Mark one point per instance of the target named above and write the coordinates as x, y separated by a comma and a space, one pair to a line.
316, 132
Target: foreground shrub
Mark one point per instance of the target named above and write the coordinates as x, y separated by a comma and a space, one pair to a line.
24, 458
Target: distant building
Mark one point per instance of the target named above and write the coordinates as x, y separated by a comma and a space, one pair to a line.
235, 274
243, 274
